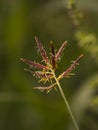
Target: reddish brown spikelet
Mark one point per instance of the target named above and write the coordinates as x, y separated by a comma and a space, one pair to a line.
43, 75
58, 54
42, 50
40, 74
53, 55
46, 87
34, 64
72, 66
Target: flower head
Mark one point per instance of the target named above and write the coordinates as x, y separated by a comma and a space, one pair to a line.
46, 72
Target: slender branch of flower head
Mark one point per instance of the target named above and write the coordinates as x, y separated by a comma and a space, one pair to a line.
72, 66
53, 55
34, 64
42, 50
40, 74
45, 88
58, 54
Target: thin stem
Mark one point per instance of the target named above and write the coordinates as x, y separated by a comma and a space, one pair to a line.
65, 100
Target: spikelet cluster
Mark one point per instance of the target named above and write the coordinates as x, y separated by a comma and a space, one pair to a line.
46, 71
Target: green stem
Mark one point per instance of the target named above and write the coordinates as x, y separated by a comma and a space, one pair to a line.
65, 100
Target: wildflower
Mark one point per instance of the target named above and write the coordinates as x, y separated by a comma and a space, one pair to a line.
46, 73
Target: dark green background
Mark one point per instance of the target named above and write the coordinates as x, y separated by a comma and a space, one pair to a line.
21, 107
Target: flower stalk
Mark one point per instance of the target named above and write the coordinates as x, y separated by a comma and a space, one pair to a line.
66, 102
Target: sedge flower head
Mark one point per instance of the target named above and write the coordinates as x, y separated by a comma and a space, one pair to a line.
46, 71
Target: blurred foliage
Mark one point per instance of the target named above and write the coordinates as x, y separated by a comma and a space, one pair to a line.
21, 107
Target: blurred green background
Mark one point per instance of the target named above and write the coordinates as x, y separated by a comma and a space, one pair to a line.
21, 107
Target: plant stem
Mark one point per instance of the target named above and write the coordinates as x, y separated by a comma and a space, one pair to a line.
65, 101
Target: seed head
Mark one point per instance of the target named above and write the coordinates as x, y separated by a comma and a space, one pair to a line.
45, 72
